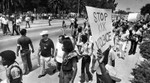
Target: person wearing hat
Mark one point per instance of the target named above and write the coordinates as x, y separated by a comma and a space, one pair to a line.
24, 42
13, 71
45, 52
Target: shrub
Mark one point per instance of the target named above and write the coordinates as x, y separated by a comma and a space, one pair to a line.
141, 73
145, 50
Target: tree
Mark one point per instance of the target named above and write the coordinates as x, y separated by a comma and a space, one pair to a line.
56, 5
145, 9
121, 12
141, 73
12, 5
107, 4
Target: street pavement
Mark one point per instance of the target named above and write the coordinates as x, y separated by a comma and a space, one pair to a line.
123, 67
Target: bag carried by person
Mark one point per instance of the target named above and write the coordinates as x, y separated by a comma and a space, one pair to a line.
51, 65
15, 74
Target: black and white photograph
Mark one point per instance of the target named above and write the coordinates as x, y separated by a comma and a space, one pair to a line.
74, 41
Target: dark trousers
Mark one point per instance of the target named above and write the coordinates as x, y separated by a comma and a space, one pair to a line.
2, 27
14, 29
49, 22
26, 59
27, 24
133, 47
58, 66
85, 68
5, 29
18, 28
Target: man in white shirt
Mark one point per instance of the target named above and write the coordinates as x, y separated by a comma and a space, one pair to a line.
18, 23
5, 25
27, 19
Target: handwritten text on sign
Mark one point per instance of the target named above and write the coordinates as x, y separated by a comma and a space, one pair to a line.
100, 22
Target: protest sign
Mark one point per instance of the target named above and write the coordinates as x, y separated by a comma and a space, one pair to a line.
101, 26
133, 17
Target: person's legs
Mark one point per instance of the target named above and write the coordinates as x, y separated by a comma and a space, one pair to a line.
134, 47
58, 66
5, 29
28, 24
29, 60
43, 71
8, 28
2, 26
87, 64
83, 70
131, 47
25, 65
13, 29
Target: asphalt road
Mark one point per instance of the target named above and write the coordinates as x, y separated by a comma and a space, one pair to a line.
123, 67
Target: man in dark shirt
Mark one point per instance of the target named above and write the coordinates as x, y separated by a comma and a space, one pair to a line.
25, 52
46, 51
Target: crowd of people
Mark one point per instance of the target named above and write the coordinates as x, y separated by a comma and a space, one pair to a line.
126, 31
16, 21
70, 49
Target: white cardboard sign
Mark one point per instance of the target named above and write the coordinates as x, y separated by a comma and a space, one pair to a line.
101, 26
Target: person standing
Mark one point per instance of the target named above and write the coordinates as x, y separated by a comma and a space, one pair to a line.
24, 42
14, 27
134, 42
64, 26
0, 21
18, 23
86, 52
69, 65
45, 52
27, 19
49, 20
59, 52
13, 71
2, 24
5, 25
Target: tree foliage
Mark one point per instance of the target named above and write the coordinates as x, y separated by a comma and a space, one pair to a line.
141, 73
56, 6
121, 12
145, 9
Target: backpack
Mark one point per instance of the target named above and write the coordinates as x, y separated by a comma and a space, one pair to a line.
15, 74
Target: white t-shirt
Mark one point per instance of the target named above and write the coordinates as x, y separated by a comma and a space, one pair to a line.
60, 52
18, 21
27, 18
0, 20
72, 20
5, 21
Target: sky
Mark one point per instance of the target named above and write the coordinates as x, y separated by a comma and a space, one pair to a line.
134, 5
